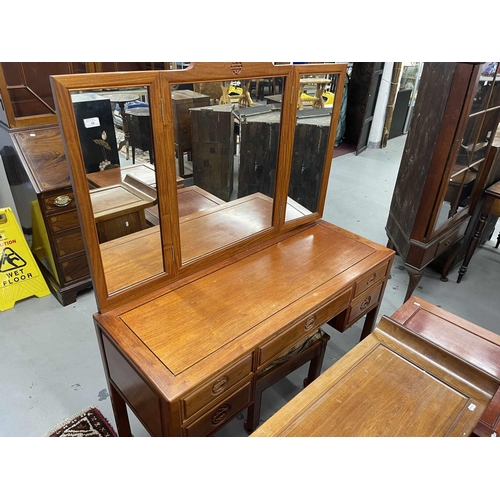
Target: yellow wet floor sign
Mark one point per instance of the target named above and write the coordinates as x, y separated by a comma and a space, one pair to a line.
20, 276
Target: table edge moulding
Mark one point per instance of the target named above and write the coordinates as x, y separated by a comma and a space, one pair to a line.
183, 347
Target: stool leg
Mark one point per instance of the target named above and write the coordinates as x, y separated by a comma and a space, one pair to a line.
316, 363
498, 241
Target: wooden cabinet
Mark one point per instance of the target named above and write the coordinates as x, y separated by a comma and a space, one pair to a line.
194, 309
38, 174
444, 165
182, 102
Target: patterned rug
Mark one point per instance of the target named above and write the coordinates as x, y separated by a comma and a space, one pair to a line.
87, 423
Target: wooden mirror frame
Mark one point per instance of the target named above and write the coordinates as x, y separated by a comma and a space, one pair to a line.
159, 83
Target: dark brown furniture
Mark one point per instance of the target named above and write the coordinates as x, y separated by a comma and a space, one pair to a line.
213, 148
192, 311
38, 175
182, 101
443, 169
362, 94
422, 372
491, 206
139, 130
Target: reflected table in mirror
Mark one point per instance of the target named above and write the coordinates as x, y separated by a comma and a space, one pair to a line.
119, 210
422, 372
144, 172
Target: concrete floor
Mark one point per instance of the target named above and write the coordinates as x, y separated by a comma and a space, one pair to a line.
51, 366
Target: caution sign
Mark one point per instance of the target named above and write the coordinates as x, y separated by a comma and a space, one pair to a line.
20, 276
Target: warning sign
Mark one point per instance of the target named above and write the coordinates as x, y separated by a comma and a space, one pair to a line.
20, 276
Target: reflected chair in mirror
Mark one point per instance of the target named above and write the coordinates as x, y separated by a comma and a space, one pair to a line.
139, 128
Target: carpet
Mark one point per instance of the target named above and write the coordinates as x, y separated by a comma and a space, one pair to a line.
88, 423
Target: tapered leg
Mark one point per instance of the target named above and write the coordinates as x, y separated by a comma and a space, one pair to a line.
120, 412
415, 276
472, 246
498, 241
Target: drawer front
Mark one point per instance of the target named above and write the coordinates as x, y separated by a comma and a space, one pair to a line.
365, 303
445, 243
63, 221
59, 202
75, 269
296, 332
217, 416
370, 279
69, 244
216, 387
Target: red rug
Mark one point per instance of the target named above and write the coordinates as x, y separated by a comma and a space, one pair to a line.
87, 423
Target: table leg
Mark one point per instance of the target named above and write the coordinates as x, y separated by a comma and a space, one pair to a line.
126, 139
120, 412
472, 246
369, 324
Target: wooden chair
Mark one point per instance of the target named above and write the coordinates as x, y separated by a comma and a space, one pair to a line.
312, 349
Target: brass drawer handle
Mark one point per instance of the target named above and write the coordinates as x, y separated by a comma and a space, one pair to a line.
219, 385
62, 201
220, 414
365, 303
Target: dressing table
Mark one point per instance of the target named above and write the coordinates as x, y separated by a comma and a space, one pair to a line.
192, 310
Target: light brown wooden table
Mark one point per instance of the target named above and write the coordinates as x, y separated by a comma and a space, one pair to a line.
185, 359
422, 372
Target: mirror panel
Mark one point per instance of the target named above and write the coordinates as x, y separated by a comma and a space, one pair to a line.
226, 153
114, 129
312, 131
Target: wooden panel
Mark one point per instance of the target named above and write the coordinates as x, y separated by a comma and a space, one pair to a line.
215, 418
217, 386
41, 150
283, 341
182, 101
394, 383
288, 271
213, 149
138, 394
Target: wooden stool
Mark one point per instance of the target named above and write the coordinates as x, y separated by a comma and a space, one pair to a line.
312, 349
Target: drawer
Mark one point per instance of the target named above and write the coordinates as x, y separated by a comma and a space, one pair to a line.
217, 416
75, 269
217, 386
359, 307
447, 242
296, 332
63, 221
60, 202
370, 279
69, 244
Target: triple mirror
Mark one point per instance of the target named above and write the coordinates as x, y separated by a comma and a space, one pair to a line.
176, 170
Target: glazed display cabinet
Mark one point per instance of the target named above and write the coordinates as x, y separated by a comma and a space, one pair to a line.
444, 165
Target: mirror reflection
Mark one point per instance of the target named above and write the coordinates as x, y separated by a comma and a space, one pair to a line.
226, 138
114, 129
312, 129
474, 145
